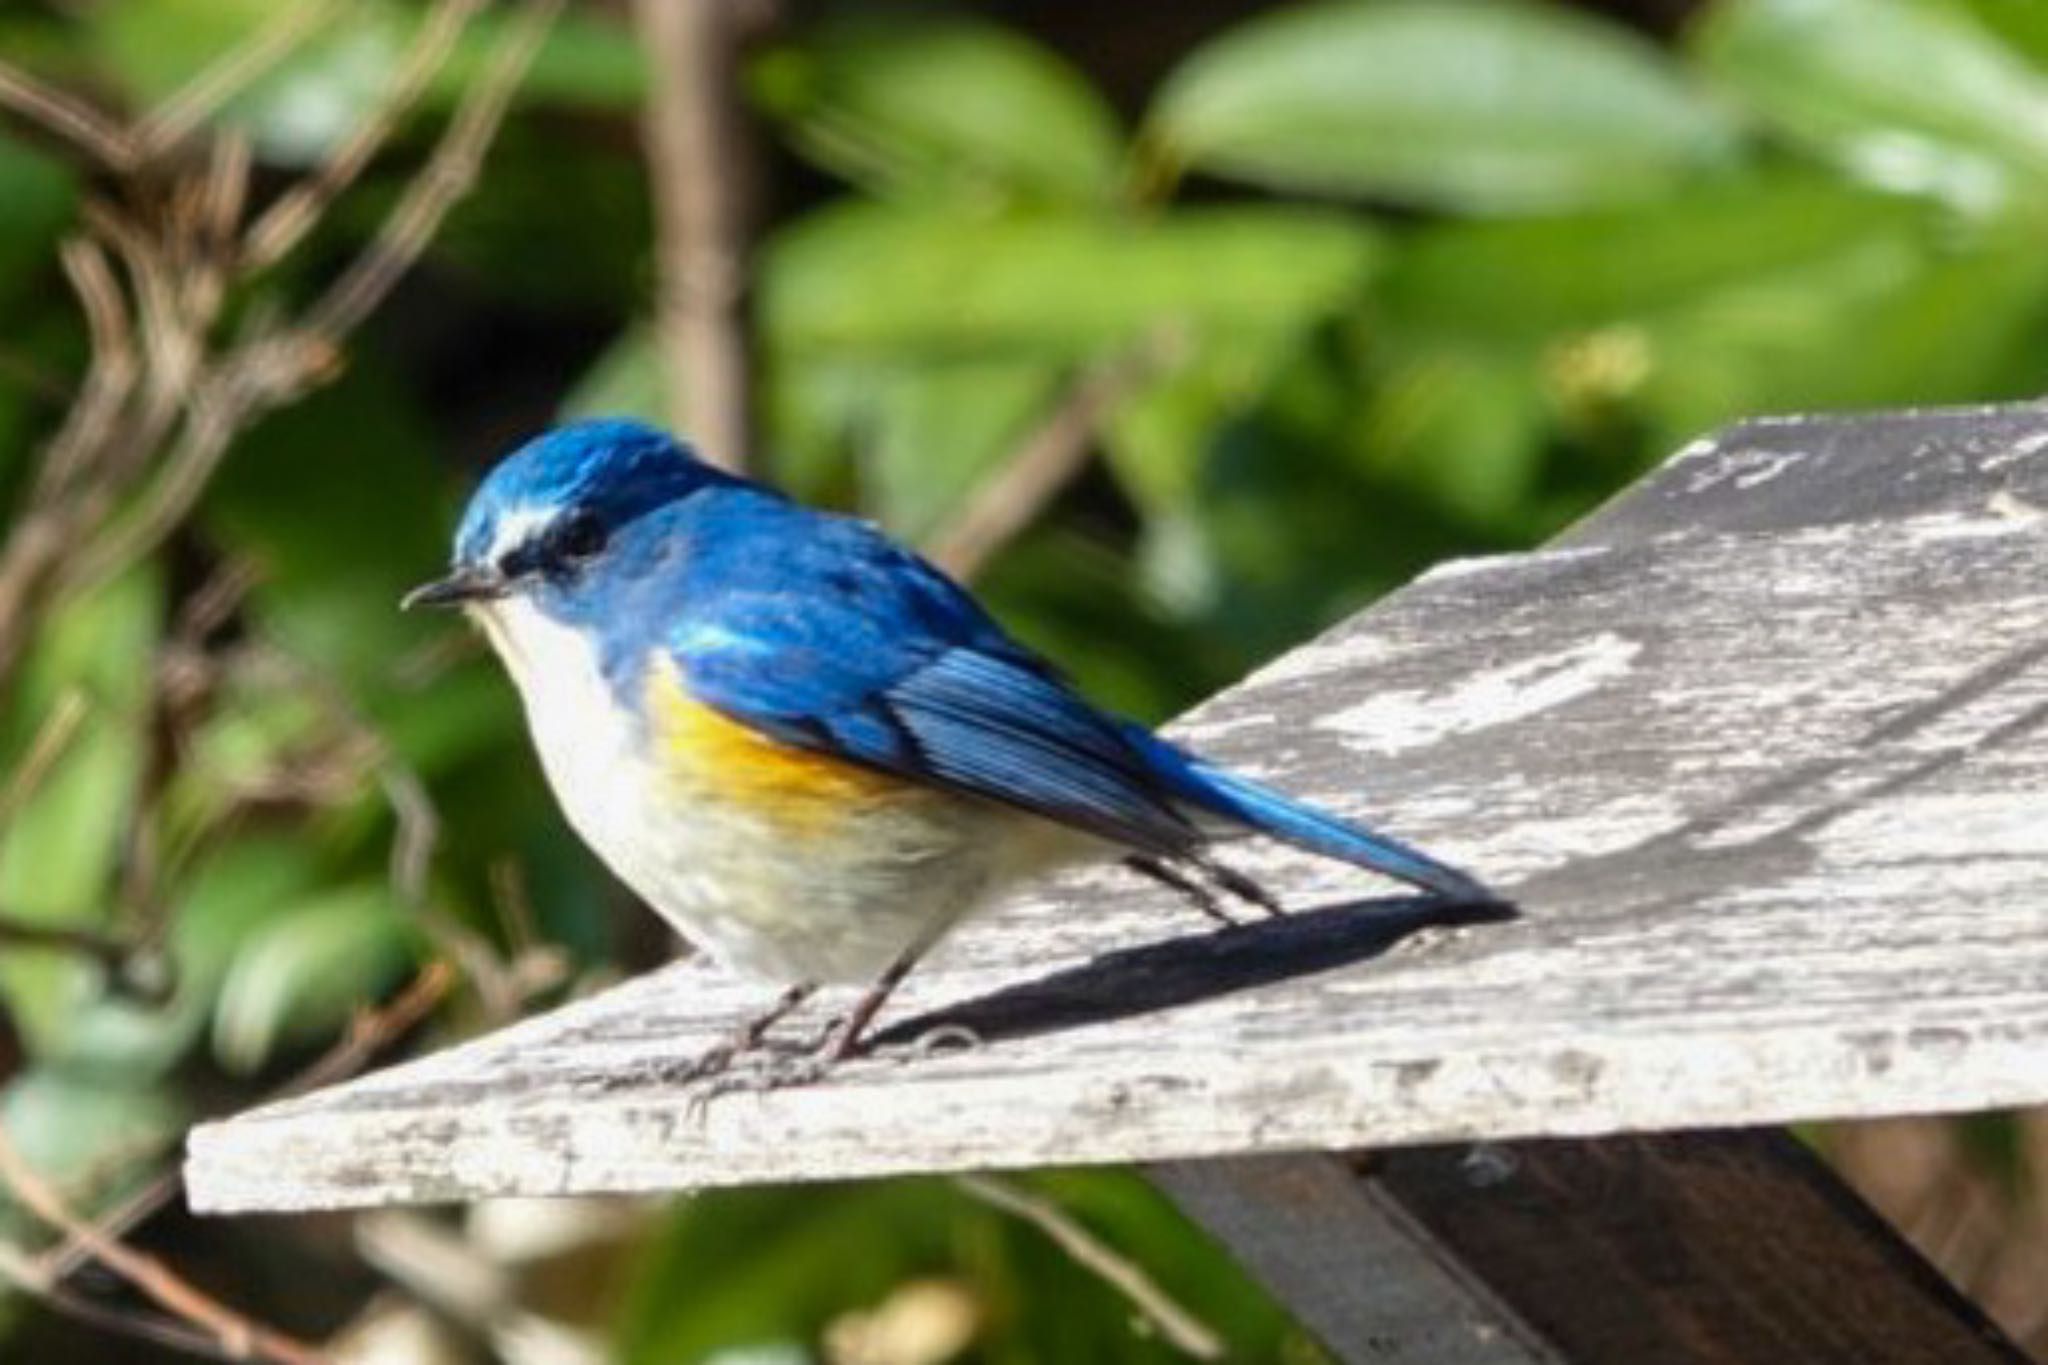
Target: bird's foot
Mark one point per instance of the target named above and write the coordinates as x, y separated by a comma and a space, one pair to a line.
793, 1066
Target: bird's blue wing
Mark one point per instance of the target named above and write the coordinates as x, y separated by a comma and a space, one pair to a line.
859, 650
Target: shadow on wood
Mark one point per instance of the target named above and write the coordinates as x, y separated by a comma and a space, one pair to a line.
1131, 982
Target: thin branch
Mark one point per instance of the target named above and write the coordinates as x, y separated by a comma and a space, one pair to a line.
52, 740
287, 221
177, 117
25, 1273
447, 177
16, 932
371, 1032
239, 1336
1182, 1329
110, 376
696, 157
1048, 460
77, 123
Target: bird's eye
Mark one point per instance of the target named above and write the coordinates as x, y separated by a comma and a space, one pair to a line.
579, 537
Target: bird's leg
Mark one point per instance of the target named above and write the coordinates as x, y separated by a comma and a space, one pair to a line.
1239, 885
844, 1040
1196, 894
750, 1035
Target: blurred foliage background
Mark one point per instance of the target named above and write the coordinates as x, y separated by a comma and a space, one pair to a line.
1185, 329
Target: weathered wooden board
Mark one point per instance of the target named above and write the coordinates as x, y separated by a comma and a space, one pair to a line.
1722, 1247
1770, 801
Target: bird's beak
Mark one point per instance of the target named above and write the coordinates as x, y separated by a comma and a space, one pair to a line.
463, 585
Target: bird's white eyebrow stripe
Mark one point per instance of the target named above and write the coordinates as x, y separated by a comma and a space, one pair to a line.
515, 527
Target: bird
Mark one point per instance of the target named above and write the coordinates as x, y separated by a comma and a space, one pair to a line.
803, 745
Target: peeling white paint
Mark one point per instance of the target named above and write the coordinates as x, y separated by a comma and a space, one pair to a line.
1962, 527
2026, 447
2013, 508
1479, 564
1745, 468
1413, 719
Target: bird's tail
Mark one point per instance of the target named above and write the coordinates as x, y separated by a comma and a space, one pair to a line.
1241, 801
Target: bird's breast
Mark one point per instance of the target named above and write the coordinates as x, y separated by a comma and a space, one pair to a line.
788, 864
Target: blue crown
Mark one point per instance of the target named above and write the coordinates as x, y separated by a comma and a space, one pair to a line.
612, 469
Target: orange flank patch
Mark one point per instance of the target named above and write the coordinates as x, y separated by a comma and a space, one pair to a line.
710, 753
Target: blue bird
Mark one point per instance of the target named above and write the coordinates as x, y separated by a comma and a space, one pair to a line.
804, 746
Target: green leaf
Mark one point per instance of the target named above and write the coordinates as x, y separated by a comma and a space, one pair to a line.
58, 853
332, 79
1159, 435
91, 1139
939, 429
942, 107
888, 280
1908, 94
223, 901
1458, 104
1463, 427
305, 971
1528, 279
1857, 335
590, 60
296, 111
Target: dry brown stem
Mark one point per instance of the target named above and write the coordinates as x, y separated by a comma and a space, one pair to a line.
696, 155
238, 1337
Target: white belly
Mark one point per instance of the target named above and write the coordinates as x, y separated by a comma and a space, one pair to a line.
838, 905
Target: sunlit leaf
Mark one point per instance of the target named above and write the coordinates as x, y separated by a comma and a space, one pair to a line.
938, 430
1463, 427
59, 851
1905, 93
1479, 105
947, 106
222, 902
297, 110
591, 60
88, 1138
1531, 278
868, 277
306, 970
1859, 335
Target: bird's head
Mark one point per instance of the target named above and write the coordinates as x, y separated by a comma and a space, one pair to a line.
550, 517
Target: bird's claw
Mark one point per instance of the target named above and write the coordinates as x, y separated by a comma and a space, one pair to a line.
769, 1067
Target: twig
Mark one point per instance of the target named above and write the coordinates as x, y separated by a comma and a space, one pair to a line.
109, 378
370, 1033
82, 126
51, 742
16, 932
1182, 1330
172, 121
696, 159
1009, 499
239, 1336
450, 171
24, 1272
287, 221
373, 1030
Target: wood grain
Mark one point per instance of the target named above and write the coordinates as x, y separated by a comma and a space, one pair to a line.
1767, 796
